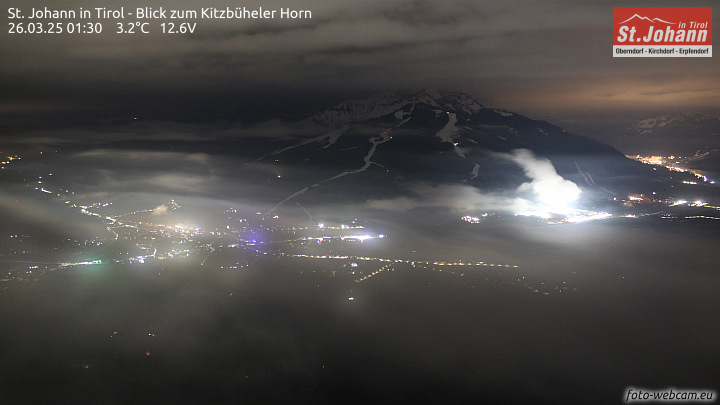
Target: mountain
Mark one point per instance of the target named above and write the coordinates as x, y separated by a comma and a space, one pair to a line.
456, 118
408, 145
684, 134
399, 104
438, 137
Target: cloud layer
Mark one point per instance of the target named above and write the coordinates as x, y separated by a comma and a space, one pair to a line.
548, 59
546, 191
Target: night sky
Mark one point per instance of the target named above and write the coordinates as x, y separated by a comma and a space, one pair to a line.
550, 60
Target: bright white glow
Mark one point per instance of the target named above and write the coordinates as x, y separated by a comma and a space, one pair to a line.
160, 210
572, 216
553, 194
592, 217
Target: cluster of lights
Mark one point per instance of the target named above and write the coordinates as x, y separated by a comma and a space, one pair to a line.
8, 160
586, 216
342, 226
378, 271
411, 262
343, 238
574, 216
85, 263
696, 203
661, 161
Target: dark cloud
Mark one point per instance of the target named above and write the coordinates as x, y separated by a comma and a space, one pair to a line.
548, 59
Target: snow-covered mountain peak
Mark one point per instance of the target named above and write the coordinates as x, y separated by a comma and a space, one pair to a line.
400, 104
672, 134
665, 120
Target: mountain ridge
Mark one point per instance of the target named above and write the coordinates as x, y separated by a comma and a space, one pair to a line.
398, 103
441, 137
679, 134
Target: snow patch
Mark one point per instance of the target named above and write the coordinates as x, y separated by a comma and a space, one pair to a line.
374, 141
446, 134
331, 137
474, 173
398, 105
